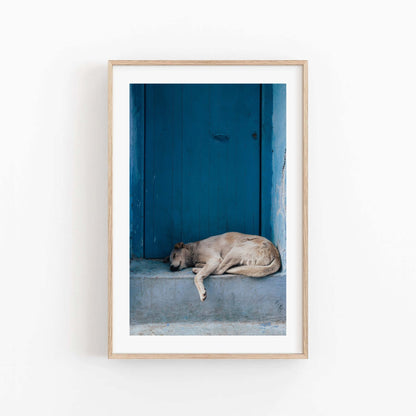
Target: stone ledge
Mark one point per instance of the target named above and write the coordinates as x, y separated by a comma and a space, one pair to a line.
160, 296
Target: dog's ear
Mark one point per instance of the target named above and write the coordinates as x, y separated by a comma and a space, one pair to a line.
166, 259
179, 245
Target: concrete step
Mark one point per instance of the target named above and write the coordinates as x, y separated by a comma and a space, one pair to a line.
160, 296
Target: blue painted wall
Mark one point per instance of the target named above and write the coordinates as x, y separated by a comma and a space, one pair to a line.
273, 188
206, 159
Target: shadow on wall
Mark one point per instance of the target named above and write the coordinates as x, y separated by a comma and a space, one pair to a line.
87, 112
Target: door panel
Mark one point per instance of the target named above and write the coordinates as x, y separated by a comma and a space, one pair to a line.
202, 163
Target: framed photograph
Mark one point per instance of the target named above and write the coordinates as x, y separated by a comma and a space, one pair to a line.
208, 209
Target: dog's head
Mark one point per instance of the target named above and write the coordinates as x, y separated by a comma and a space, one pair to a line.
178, 258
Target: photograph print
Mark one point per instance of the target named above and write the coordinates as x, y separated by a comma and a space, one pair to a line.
207, 209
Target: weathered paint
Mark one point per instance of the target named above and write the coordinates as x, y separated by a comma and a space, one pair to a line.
273, 178
158, 295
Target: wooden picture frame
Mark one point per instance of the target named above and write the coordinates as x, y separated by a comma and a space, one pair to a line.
303, 65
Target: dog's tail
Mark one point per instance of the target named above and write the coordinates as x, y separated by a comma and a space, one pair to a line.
257, 271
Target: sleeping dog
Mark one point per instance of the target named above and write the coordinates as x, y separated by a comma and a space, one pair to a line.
233, 253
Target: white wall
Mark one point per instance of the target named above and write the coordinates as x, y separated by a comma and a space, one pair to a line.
53, 238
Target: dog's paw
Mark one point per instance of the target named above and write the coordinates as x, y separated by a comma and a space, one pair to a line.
195, 270
203, 296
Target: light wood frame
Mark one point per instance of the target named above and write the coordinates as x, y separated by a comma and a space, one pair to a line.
304, 65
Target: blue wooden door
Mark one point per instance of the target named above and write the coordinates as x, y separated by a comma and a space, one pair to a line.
201, 163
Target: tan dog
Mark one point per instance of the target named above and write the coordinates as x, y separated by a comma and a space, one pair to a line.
233, 253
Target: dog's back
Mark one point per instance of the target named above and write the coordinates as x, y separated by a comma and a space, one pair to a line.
252, 255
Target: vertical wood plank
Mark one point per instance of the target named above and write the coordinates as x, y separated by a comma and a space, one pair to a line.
136, 169
163, 170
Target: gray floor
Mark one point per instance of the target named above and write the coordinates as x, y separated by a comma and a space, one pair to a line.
209, 328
